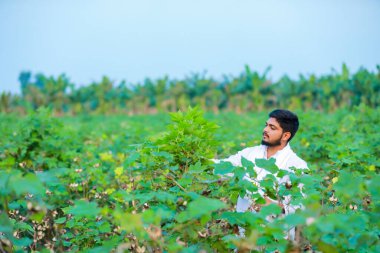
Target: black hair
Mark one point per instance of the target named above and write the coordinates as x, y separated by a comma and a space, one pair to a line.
287, 120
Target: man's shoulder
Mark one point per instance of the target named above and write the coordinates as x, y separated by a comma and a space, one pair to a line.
297, 162
254, 149
251, 153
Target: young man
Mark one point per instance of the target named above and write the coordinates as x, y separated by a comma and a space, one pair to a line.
279, 129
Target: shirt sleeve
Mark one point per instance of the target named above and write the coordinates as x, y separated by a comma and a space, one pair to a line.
235, 160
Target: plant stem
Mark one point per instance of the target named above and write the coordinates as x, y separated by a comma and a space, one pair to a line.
180, 186
5, 203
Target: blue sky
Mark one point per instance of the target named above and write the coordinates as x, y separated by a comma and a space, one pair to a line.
132, 40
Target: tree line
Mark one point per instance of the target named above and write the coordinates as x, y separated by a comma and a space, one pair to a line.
249, 91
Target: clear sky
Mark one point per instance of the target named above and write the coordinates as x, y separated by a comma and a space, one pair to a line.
131, 40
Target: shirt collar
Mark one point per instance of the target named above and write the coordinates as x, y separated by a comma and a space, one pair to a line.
279, 154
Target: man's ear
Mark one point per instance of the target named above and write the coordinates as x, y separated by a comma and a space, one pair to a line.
286, 136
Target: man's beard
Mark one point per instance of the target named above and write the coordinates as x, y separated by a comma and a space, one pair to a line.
272, 144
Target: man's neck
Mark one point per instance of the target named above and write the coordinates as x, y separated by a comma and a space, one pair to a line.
271, 151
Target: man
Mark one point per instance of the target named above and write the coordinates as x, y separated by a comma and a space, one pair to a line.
279, 130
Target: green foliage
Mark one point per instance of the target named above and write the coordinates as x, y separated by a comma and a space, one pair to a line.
82, 208
248, 92
128, 184
198, 208
189, 139
39, 142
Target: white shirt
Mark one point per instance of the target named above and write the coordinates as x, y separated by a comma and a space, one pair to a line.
285, 159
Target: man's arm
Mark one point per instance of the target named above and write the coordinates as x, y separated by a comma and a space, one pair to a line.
235, 159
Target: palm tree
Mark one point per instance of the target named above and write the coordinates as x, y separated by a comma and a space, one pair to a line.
5, 102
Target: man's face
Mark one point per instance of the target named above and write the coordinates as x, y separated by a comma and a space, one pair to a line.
272, 133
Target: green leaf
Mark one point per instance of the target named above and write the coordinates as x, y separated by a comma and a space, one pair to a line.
83, 208
223, 168
198, 207
100, 249
38, 217
165, 197
27, 184
149, 216
196, 168
60, 220
4, 186
293, 220
246, 163
185, 180
67, 243
168, 157
373, 188
23, 226
104, 227
131, 223
282, 173
324, 247
247, 185
49, 177
269, 165
239, 172
249, 166
131, 158
271, 209
349, 184
163, 212
263, 240
22, 242
5, 224
235, 218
